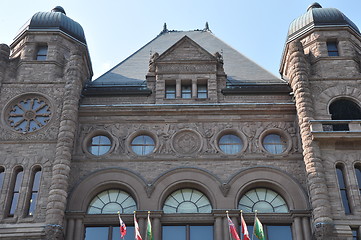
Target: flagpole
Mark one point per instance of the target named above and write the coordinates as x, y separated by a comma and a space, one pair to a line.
229, 230
242, 235
254, 224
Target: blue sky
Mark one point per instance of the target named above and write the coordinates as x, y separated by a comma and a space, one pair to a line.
115, 28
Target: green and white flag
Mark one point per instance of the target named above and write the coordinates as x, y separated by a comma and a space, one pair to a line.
149, 229
258, 229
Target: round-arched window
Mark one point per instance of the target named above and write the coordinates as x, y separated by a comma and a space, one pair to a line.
112, 201
230, 144
274, 143
344, 109
143, 145
187, 200
99, 145
263, 200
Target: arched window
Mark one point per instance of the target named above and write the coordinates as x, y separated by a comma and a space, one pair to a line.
358, 176
187, 200
263, 200
111, 201
17, 180
343, 189
2, 173
34, 186
344, 109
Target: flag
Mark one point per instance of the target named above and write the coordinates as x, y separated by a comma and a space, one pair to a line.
136, 229
258, 229
232, 229
122, 227
244, 229
149, 229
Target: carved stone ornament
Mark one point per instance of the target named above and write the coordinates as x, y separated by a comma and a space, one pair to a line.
28, 113
186, 142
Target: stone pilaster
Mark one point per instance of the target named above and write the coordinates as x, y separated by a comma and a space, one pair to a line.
59, 185
321, 207
4, 60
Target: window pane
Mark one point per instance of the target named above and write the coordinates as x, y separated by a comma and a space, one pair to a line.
174, 233
170, 91
279, 233
201, 232
99, 145
187, 91
230, 144
1, 177
202, 91
143, 145
187, 201
343, 190
96, 233
14, 203
263, 200
332, 49
274, 143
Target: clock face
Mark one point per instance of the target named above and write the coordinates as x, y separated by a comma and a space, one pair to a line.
28, 113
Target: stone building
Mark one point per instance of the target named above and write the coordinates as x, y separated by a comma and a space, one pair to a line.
186, 128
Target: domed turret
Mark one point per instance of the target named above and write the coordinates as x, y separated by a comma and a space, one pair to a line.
56, 20
317, 17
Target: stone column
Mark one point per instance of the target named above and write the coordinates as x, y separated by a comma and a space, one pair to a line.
4, 59
70, 229
321, 207
79, 230
218, 228
157, 228
194, 88
178, 89
298, 228
58, 191
225, 229
306, 228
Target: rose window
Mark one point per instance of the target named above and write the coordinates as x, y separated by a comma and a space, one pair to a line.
29, 114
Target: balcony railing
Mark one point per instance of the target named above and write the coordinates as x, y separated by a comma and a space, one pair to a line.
336, 128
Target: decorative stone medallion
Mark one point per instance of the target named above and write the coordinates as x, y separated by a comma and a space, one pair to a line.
186, 142
28, 113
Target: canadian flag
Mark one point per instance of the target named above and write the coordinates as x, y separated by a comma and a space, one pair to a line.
244, 229
136, 229
122, 227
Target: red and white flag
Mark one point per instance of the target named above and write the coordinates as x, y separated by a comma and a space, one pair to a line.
244, 229
232, 229
136, 229
122, 227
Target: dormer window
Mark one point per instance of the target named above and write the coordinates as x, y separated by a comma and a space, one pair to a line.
332, 49
42, 53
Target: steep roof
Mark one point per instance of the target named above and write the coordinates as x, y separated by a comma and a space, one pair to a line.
239, 69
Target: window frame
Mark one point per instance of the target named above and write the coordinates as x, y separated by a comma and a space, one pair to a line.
223, 146
283, 135
332, 48
143, 145
186, 90
99, 145
31, 199
42, 53
16, 185
343, 189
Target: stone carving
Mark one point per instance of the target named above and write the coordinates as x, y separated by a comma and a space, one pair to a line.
152, 60
225, 187
182, 68
186, 142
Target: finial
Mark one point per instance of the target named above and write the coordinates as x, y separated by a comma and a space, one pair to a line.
227, 211
118, 212
58, 9
241, 211
165, 29
314, 5
206, 28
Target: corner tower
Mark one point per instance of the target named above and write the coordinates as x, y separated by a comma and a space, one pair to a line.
321, 62
42, 75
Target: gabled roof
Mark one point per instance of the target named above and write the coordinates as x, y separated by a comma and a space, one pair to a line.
239, 69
